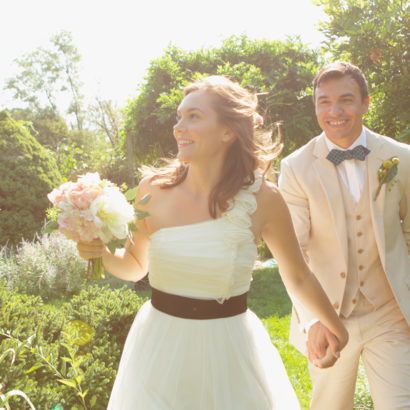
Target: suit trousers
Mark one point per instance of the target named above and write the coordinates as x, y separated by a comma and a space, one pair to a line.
381, 338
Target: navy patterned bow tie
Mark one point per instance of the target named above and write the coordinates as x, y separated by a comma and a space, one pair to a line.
337, 156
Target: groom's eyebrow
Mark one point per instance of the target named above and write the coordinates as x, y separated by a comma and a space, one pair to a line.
324, 96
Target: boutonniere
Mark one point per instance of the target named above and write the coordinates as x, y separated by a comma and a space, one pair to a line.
386, 172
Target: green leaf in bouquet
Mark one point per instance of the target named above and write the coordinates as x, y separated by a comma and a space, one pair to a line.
141, 214
51, 226
131, 194
144, 199
132, 227
113, 245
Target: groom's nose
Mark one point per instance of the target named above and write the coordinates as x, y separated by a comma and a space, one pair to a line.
335, 108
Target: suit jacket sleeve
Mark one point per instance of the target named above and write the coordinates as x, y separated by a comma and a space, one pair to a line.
298, 204
404, 213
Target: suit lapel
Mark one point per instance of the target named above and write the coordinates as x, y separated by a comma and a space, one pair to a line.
374, 160
327, 175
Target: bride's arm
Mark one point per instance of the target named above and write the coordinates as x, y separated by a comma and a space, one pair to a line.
131, 262
279, 235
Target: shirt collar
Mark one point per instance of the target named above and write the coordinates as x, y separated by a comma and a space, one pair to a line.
361, 140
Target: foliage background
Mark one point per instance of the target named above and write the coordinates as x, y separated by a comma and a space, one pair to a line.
42, 145
375, 35
280, 72
27, 174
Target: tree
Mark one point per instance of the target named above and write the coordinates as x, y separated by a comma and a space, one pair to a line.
27, 174
49, 128
68, 58
47, 74
280, 71
375, 35
107, 118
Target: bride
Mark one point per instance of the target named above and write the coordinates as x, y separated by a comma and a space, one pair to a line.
195, 345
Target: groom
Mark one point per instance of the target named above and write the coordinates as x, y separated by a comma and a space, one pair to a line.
357, 244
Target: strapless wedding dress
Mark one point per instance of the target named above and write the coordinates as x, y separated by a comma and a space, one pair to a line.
170, 363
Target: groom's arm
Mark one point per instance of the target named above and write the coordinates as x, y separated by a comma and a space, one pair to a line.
404, 212
319, 337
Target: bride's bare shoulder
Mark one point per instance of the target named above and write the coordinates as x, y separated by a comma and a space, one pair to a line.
147, 186
270, 200
147, 195
268, 192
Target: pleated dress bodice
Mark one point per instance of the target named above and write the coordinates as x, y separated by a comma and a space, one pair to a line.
212, 259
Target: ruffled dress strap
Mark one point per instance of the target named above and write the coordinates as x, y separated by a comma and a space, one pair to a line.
237, 222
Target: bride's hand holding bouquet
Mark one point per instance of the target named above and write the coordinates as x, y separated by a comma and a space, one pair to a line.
95, 214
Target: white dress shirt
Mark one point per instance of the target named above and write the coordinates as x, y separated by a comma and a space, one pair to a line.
352, 171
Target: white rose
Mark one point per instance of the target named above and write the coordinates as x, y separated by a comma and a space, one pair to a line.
112, 214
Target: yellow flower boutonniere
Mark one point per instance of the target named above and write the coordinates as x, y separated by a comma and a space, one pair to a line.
386, 172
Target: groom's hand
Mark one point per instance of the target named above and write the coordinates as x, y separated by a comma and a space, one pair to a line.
322, 346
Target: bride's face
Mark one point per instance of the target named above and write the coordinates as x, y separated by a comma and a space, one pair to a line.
199, 134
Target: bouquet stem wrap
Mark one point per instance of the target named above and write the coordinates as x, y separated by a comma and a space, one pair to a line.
96, 268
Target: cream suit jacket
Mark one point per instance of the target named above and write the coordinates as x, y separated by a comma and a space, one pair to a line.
309, 184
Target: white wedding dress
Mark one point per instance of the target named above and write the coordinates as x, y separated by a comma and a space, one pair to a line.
170, 363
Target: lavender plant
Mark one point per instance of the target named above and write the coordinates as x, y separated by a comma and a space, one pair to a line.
49, 267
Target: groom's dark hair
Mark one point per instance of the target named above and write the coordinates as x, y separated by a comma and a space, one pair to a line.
338, 70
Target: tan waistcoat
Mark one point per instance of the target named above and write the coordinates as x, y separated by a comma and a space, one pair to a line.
365, 273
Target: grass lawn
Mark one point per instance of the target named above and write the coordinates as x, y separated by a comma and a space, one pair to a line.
269, 300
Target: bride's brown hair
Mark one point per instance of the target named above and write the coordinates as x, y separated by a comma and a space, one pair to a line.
251, 149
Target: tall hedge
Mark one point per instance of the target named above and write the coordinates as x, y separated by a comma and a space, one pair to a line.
27, 174
280, 71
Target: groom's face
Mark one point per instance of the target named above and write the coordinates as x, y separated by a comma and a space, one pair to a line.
339, 109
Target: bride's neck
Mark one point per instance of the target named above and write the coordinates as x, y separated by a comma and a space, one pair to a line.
201, 180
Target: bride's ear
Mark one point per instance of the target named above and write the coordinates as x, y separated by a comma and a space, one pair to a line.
228, 136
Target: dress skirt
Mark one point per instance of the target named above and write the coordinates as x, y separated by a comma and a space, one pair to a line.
170, 363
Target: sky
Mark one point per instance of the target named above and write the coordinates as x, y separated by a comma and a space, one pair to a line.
117, 39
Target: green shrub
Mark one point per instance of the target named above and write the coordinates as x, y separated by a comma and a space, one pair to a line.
25, 317
49, 267
27, 174
37, 337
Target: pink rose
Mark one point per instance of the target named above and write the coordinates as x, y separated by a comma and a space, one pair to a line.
60, 195
82, 196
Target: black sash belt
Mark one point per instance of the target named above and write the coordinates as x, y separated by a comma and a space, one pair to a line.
190, 308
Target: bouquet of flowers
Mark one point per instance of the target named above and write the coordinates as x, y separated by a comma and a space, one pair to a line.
93, 208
